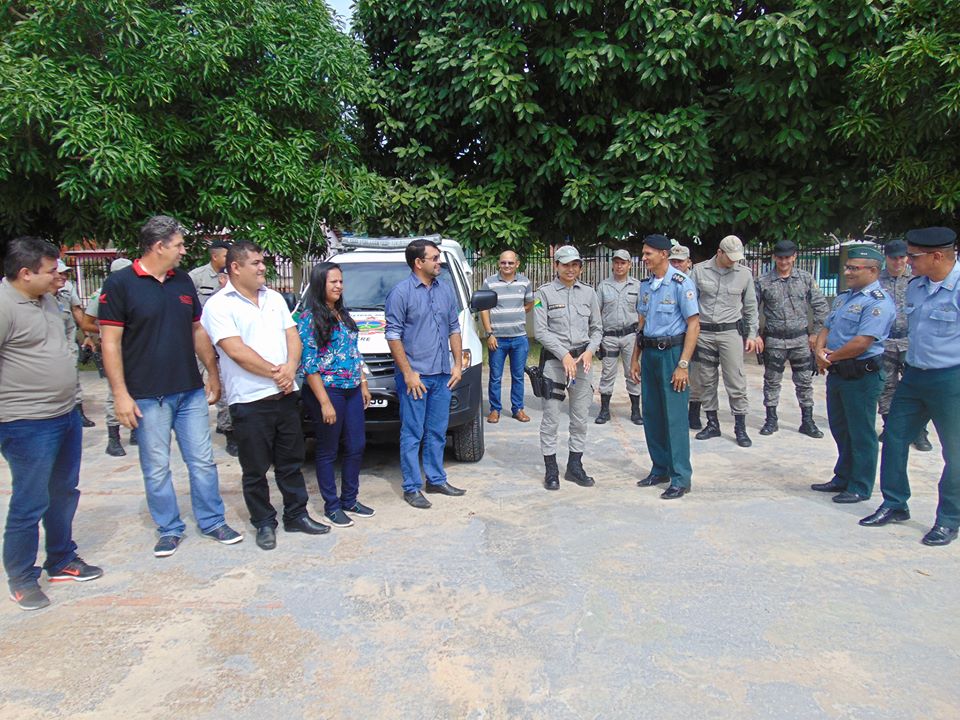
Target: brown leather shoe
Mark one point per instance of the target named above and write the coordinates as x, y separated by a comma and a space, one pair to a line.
493, 417
521, 416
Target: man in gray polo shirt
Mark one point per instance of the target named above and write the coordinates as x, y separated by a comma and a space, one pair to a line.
40, 433
506, 327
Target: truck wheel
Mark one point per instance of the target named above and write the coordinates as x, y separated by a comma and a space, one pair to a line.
468, 440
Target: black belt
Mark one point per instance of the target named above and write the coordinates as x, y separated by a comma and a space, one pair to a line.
851, 369
897, 335
717, 327
661, 343
621, 332
575, 352
785, 335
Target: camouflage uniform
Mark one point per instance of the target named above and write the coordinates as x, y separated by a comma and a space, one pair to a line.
783, 305
895, 347
206, 280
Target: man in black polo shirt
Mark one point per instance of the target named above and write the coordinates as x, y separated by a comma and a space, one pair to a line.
150, 329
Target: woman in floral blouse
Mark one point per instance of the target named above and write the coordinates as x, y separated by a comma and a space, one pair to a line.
336, 391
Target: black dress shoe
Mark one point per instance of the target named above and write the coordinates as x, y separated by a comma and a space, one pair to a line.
416, 499
651, 480
832, 486
940, 535
848, 498
673, 492
885, 515
305, 524
445, 488
266, 538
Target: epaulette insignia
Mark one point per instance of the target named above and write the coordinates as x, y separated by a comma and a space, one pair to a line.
878, 294
677, 278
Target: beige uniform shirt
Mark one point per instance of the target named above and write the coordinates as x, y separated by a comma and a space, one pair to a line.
206, 281
618, 302
726, 295
565, 318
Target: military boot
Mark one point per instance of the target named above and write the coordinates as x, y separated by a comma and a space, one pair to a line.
770, 425
884, 431
133, 437
232, 448
635, 416
551, 477
604, 415
114, 448
84, 420
922, 443
712, 429
693, 416
807, 425
575, 472
740, 431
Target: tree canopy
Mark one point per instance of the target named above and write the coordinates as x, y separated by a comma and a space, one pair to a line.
594, 119
230, 114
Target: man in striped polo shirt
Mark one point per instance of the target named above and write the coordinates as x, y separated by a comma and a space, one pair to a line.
506, 327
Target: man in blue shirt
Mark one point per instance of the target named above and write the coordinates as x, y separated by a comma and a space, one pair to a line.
848, 348
423, 332
930, 386
668, 325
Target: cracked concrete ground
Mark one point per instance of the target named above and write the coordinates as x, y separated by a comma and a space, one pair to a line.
752, 597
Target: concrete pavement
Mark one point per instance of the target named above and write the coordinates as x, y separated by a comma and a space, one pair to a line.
752, 597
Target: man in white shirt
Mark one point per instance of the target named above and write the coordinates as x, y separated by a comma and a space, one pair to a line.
260, 353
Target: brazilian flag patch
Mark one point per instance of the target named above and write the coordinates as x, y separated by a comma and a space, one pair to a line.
537, 303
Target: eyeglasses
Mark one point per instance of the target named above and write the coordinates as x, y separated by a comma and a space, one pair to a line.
431, 258
921, 253
855, 268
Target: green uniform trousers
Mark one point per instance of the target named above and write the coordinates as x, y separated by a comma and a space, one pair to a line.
923, 395
852, 412
665, 415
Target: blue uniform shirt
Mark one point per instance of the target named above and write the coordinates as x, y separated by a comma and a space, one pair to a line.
666, 309
933, 322
423, 318
869, 311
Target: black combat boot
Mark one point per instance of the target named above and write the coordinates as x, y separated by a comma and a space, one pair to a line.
693, 415
884, 431
232, 448
922, 443
133, 437
770, 425
551, 478
712, 429
807, 425
575, 472
114, 448
604, 416
740, 431
84, 420
636, 417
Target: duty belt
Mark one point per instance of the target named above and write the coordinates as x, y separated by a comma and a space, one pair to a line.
621, 332
785, 334
897, 335
661, 343
575, 351
717, 327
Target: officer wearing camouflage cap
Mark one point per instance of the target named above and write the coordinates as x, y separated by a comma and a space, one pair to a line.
567, 325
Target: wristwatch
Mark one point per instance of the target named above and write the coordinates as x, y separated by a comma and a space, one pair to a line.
683, 364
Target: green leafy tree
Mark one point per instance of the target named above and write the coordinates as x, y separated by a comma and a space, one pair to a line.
225, 113
514, 121
903, 115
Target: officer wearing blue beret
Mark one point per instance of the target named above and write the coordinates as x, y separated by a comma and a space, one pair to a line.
849, 350
930, 387
668, 325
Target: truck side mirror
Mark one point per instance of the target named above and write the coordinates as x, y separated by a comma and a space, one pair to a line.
483, 300
290, 298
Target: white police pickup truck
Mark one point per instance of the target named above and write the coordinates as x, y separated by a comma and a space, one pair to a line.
371, 268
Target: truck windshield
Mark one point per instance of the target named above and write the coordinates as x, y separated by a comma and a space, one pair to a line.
365, 285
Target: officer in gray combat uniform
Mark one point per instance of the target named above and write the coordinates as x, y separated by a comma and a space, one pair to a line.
727, 299
784, 294
618, 310
894, 279
567, 324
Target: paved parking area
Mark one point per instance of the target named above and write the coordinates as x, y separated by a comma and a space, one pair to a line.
752, 597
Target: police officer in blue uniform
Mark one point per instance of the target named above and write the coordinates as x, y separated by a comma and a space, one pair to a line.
849, 350
667, 329
930, 386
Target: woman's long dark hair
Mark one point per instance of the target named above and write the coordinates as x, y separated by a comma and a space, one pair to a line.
324, 320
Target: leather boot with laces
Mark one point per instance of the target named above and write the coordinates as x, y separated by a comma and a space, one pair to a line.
770, 425
712, 429
604, 415
114, 448
740, 431
693, 416
575, 472
636, 417
807, 426
551, 477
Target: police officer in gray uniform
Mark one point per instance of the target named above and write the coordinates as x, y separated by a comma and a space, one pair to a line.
784, 295
72, 310
618, 310
727, 298
567, 324
894, 279
206, 279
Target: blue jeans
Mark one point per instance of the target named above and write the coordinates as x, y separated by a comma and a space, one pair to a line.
516, 348
44, 460
347, 432
423, 422
187, 415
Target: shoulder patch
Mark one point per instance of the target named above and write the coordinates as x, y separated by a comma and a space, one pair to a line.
878, 294
689, 294
677, 278
538, 303
876, 312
